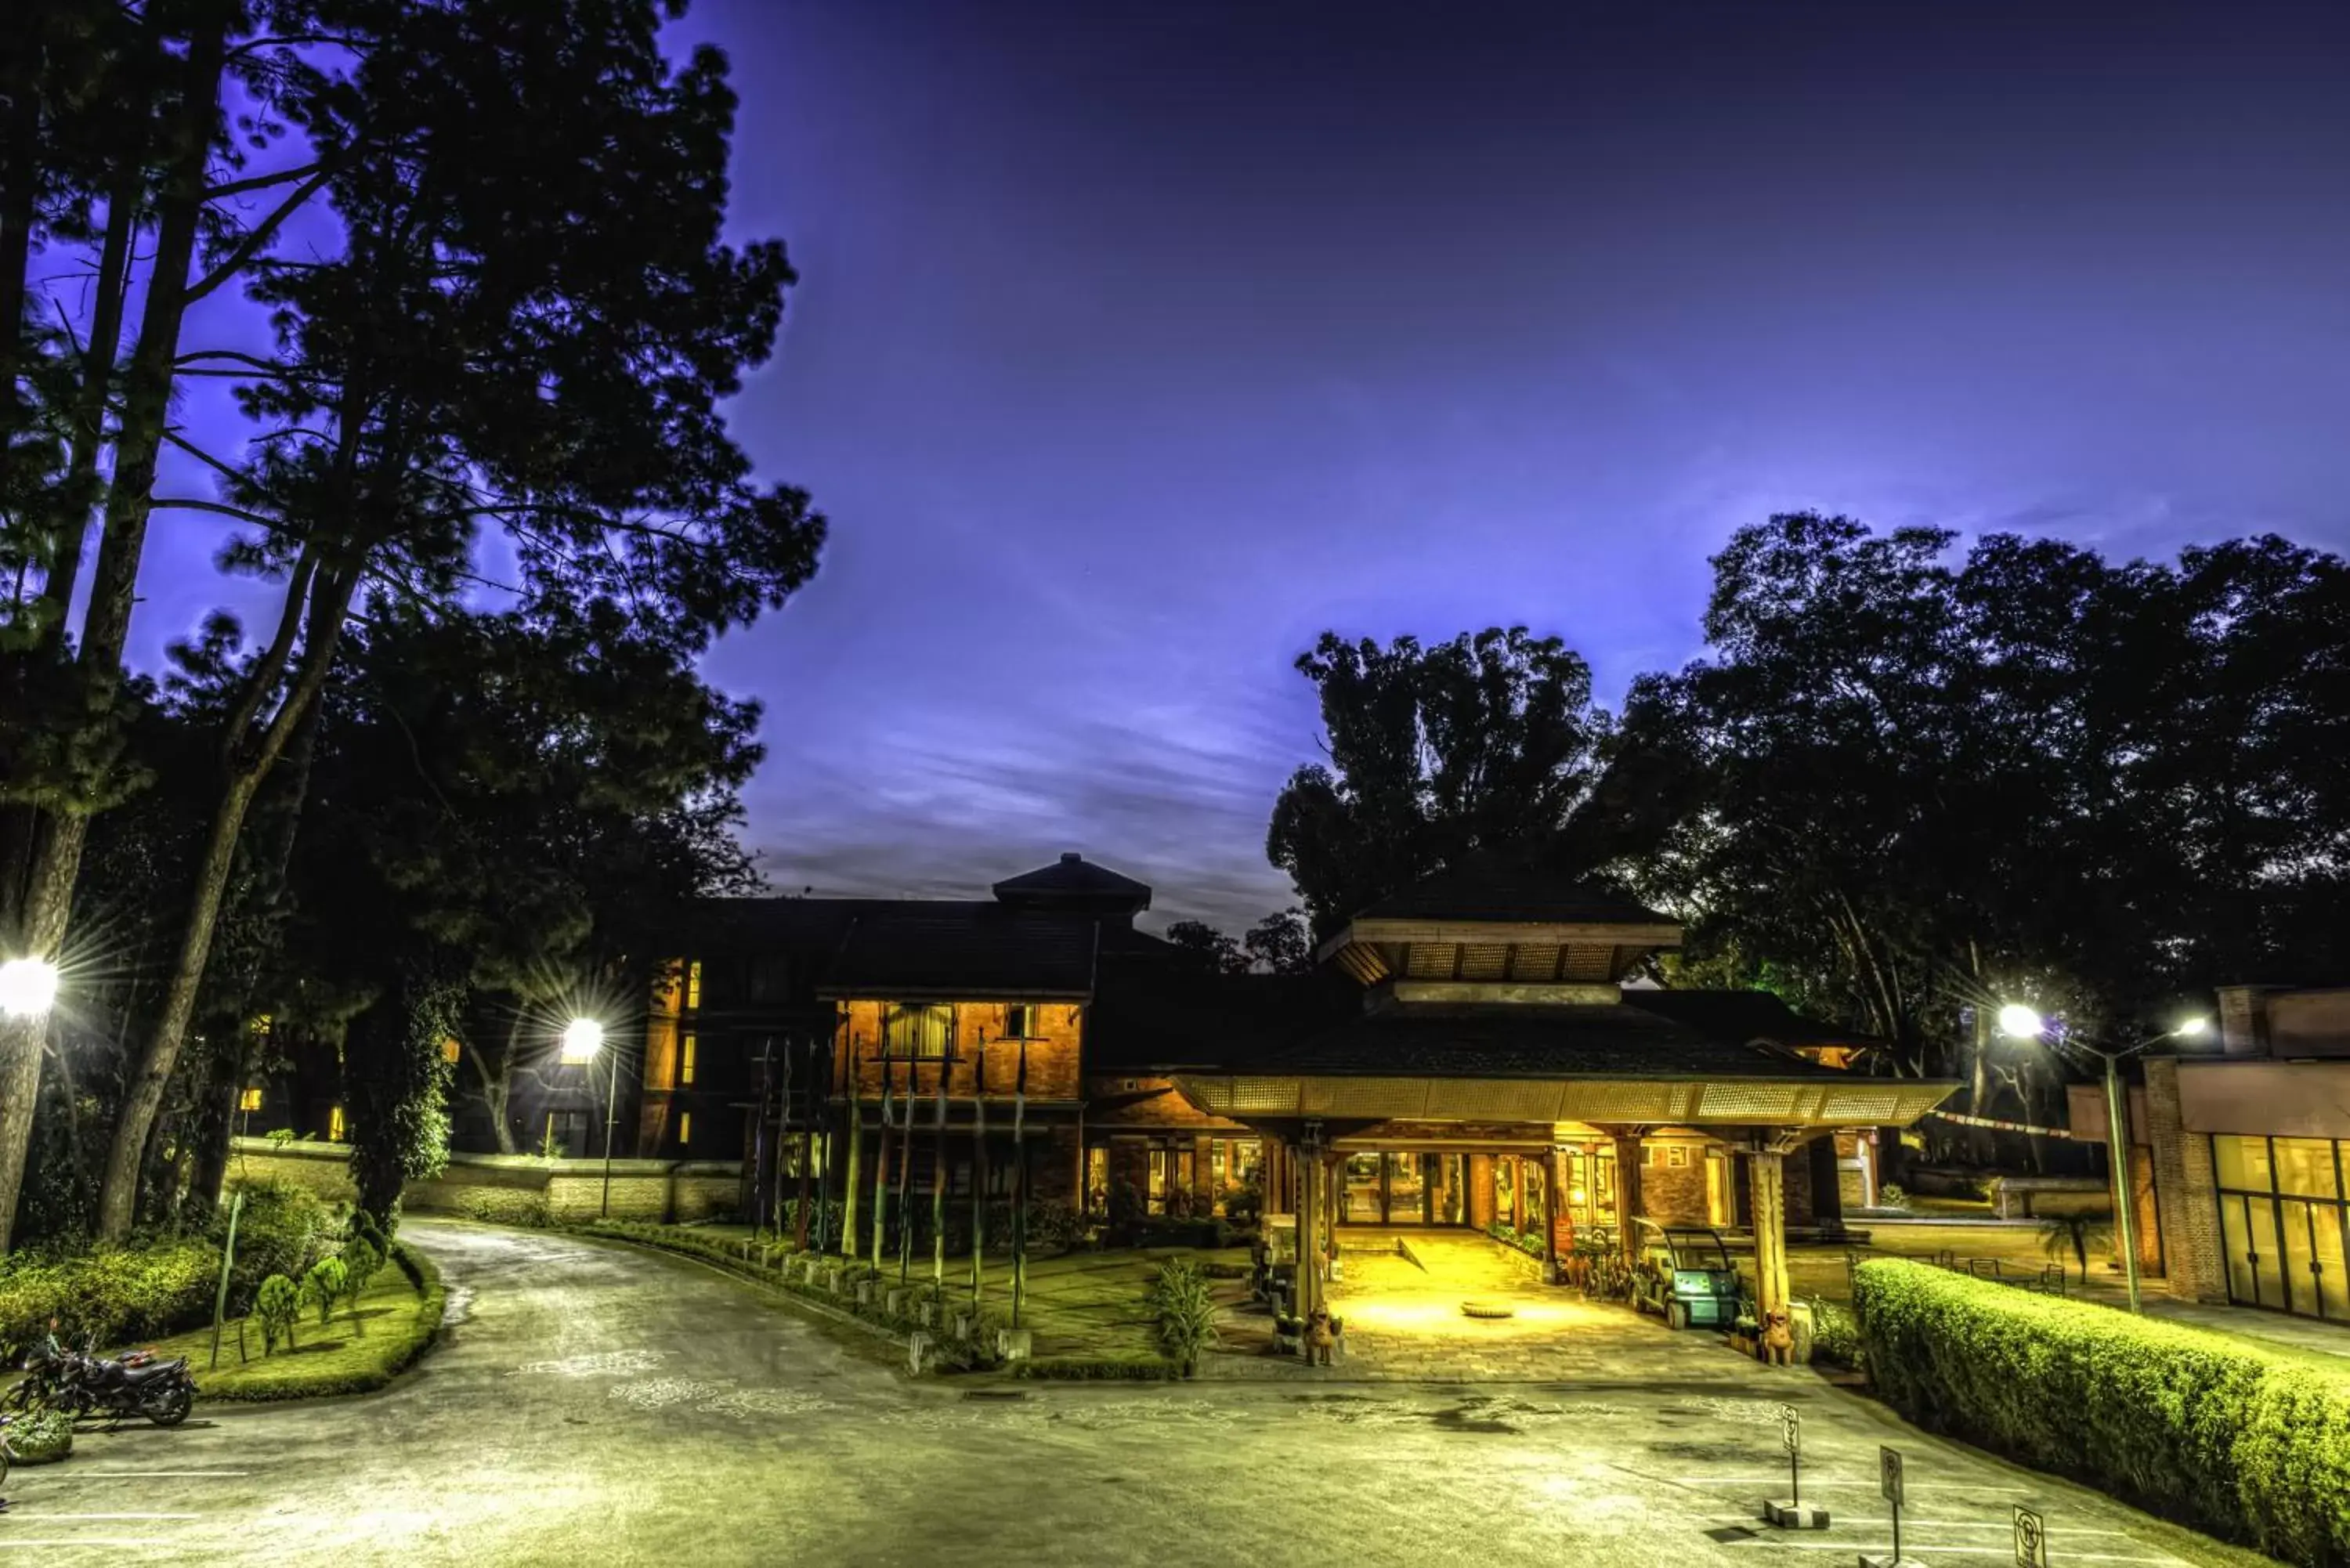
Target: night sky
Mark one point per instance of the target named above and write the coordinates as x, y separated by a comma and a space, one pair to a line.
1136, 344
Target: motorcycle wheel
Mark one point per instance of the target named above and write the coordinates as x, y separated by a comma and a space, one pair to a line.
170, 1407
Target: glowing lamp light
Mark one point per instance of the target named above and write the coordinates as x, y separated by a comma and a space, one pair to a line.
2194, 1028
2018, 1022
28, 987
582, 1038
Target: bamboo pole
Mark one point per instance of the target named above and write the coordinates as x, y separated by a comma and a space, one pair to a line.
850, 1175
806, 1151
938, 1159
1019, 1185
881, 1157
979, 1171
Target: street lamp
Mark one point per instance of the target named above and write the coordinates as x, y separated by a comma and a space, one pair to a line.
582, 1039
2018, 1022
28, 987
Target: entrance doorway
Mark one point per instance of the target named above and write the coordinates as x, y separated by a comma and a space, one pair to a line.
1394, 1187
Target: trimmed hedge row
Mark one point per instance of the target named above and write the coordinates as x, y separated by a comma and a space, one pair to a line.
2207, 1428
763, 1260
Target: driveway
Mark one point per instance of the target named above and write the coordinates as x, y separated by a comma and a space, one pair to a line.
596, 1404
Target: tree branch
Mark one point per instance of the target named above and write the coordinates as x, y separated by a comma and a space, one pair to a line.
262, 181
261, 234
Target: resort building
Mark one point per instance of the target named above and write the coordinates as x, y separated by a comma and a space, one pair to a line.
1474, 1050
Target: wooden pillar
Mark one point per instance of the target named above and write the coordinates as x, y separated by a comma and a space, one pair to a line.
1627, 1195
1770, 1233
1554, 1208
1309, 1245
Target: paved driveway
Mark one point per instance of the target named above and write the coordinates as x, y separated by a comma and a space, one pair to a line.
598, 1405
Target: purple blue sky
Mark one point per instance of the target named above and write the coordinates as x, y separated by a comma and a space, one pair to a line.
1137, 343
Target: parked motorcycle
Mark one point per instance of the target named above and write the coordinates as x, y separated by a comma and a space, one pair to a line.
82, 1384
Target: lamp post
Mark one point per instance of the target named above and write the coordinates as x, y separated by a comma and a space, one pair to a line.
583, 1039
28, 987
2018, 1022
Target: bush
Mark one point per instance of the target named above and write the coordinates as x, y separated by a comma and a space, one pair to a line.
282, 1229
324, 1284
2217, 1432
1244, 1206
1098, 1368
1186, 1309
41, 1437
407, 1264
1892, 1197
109, 1294
277, 1303
1835, 1335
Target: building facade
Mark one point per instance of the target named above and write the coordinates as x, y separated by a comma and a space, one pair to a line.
1472, 1052
2241, 1155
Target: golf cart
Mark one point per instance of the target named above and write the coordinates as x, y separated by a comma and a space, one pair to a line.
1685, 1276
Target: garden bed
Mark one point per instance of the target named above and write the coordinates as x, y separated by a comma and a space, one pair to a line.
399, 1319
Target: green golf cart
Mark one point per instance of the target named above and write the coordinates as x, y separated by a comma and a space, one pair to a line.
1685, 1276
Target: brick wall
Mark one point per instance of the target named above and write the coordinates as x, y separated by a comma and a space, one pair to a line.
2187, 1189
979, 1042
1671, 1194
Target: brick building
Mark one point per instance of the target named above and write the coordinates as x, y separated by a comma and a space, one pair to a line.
1466, 1053
2241, 1155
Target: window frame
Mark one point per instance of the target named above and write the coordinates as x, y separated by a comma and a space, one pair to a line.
940, 1012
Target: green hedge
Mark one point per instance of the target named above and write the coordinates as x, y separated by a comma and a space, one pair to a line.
2214, 1431
764, 1262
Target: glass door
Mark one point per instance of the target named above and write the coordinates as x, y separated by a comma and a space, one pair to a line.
1407, 1190
2312, 1257
1364, 1204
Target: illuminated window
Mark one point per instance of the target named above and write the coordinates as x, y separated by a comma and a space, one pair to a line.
1647, 1154
334, 1124
1097, 1177
1678, 1155
684, 1128
685, 1061
451, 1050
917, 1030
250, 1100
1021, 1020
693, 983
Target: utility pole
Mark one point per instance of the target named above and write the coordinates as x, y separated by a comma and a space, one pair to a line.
2118, 1147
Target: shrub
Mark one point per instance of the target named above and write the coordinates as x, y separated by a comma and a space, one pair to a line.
1835, 1337
407, 1264
1186, 1309
109, 1294
324, 1284
277, 1303
282, 1229
1244, 1206
1892, 1197
2207, 1428
40, 1437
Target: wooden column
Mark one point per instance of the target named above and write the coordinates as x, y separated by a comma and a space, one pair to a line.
1627, 1195
1553, 1206
1770, 1233
1309, 1273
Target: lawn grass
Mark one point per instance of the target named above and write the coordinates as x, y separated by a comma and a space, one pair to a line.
396, 1323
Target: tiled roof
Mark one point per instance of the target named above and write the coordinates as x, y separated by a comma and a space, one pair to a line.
1492, 885
1157, 1013
964, 950
1741, 1015
1504, 1041
1075, 881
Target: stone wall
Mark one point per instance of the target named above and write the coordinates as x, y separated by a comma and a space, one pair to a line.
513, 1189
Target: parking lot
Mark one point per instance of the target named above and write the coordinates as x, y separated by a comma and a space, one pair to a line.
597, 1404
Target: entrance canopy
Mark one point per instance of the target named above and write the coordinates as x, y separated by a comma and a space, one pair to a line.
1597, 1063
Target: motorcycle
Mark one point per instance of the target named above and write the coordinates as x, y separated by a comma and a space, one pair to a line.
82, 1384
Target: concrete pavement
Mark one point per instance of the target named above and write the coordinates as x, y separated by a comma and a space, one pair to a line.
597, 1404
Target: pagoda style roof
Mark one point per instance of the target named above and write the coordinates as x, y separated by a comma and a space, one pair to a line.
1074, 882
1515, 1041
1746, 1015
947, 949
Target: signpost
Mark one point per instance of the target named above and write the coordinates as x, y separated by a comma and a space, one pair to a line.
2030, 1540
1794, 1513
1888, 1483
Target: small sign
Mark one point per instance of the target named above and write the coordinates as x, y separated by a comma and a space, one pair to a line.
2030, 1540
1889, 1475
1791, 1430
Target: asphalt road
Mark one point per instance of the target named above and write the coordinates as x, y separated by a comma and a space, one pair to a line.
596, 1404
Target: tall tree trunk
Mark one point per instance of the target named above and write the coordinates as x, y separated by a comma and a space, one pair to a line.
47, 903
72, 519
497, 1088
330, 598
